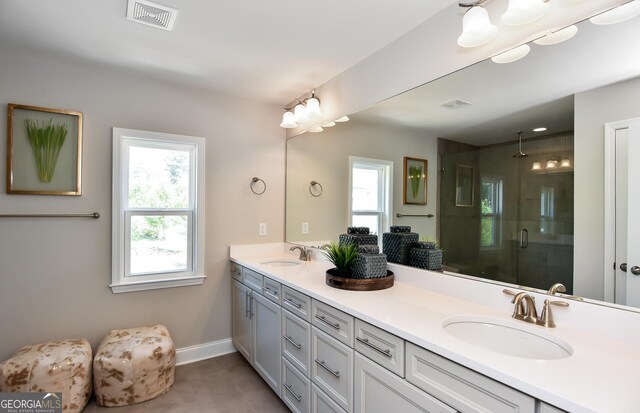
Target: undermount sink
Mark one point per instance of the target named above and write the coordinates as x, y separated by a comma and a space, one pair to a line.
281, 263
507, 337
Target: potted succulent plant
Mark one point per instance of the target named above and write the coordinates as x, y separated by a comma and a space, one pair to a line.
343, 257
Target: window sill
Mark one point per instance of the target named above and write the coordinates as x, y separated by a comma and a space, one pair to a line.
157, 284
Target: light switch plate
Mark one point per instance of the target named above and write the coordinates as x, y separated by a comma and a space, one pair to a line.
305, 227
263, 228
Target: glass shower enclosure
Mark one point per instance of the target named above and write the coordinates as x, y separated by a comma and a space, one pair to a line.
510, 218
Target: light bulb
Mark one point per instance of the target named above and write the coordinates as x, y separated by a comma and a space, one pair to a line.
313, 108
477, 29
288, 121
552, 164
565, 163
300, 114
618, 15
524, 12
343, 119
537, 166
512, 55
317, 129
558, 36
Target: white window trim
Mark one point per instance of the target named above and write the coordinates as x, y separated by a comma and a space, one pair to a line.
497, 213
196, 276
387, 187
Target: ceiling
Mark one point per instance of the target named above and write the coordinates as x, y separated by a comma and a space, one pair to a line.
271, 51
532, 92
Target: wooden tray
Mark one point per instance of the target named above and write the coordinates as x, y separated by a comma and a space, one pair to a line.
360, 284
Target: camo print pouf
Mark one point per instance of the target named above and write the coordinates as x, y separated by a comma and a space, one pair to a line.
62, 366
132, 366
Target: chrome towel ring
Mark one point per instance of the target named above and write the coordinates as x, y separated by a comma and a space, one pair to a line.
254, 181
312, 185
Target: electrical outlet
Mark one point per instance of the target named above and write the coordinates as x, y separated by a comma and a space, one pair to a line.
305, 227
263, 228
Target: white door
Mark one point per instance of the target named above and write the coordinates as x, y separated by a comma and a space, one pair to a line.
623, 188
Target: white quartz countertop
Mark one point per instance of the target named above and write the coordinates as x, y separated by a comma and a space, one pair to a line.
602, 374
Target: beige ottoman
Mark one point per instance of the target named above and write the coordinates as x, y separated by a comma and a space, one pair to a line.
134, 365
58, 366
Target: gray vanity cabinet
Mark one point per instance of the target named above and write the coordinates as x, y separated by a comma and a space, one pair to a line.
377, 390
266, 340
242, 325
460, 387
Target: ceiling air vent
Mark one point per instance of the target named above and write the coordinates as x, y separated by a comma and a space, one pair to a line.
456, 104
151, 14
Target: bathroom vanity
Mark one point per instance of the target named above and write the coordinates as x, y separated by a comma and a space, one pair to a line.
401, 350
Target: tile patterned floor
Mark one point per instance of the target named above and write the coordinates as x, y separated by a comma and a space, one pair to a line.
226, 384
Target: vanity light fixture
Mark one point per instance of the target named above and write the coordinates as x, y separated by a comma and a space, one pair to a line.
521, 12
558, 36
342, 119
565, 163
302, 111
317, 129
329, 125
618, 15
477, 29
540, 129
537, 166
512, 55
552, 164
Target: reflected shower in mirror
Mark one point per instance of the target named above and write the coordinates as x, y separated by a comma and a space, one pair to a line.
532, 219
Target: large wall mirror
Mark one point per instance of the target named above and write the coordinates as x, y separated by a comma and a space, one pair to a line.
520, 178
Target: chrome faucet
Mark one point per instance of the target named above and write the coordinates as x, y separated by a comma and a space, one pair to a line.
305, 254
525, 309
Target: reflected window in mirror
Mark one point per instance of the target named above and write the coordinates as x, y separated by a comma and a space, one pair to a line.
370, 188
491, 209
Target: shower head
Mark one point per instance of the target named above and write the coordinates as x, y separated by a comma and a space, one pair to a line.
520, 154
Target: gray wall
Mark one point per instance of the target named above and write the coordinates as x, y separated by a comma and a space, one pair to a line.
592, 110
55, 273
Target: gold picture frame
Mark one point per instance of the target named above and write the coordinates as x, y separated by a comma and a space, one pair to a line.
414, 188
44, 151
465, 185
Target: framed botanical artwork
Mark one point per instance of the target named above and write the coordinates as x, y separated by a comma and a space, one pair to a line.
465, 185
415, 181
44, 151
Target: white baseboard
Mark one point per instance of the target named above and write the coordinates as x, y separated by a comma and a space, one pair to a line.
191, 354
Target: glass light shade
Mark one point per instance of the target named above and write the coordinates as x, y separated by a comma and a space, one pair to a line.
512, 55
313, 108
565, 163
343, 119
559, 36
524, 12
477, 29
316, 129
288, 121
618, 15
552, 164
329, 125
540, 129
300, 114
537, 166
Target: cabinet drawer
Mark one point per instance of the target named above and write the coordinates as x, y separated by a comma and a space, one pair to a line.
296, 389
252, 279
542, 407
321, 403
461, 388
380, 346
272, 290
296, 341
334, 322
332, 368
236, 271
296, 302
379, 391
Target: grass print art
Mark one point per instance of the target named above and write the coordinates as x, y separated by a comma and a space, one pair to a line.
46, 141
415, 181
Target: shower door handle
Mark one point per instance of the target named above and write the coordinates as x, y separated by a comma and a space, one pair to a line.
524, 238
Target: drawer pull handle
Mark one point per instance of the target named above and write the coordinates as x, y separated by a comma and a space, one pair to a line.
286, 386
290, 340
271, 292
366, 342
293, 303
324, 366
327, 322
